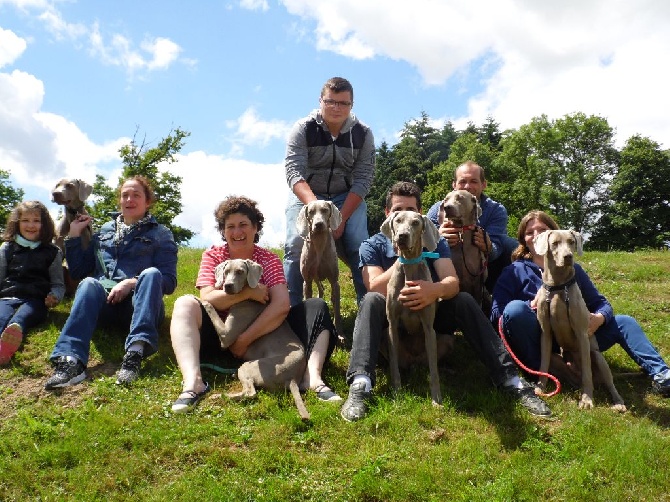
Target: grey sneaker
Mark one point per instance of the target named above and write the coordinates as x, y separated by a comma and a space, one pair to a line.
130, 368
529, 400
661, 386
355, 407
67, 371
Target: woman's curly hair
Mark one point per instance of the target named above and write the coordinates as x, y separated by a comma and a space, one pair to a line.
239, 204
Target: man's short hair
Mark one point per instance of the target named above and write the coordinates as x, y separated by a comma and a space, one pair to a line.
338, 84
470, 163
404, 189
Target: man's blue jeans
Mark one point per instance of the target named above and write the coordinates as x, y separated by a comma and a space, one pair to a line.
522, 330
143, 311
355, 232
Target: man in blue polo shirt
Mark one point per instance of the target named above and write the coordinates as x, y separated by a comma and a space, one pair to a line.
455, 311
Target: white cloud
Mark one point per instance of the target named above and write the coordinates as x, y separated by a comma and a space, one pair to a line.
208, 179
11, 47
261, 5
60, 28
251, 130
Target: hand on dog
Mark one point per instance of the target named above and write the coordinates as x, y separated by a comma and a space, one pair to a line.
78, 225
482, 241
595, 321
449, 232
337, 233
259, 293
416, 295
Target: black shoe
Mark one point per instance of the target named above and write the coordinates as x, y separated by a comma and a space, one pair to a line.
130, 368
355, 408
67, 371
662, 387
529, 400
186, 404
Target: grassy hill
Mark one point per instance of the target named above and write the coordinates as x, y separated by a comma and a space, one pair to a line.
99, 441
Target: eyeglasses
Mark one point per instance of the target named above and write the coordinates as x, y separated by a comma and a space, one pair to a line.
331, 103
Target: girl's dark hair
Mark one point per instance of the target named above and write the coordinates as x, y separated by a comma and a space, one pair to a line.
522, 252
12, 228
239, 204
148, 190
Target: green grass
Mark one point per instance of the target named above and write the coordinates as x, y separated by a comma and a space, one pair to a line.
98, 441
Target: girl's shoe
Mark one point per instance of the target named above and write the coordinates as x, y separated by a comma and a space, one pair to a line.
10, 341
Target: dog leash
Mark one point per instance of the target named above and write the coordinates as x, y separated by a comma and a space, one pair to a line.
526, 368
219, 369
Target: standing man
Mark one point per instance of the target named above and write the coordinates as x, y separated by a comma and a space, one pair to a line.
330, 155
455, 311
491, 234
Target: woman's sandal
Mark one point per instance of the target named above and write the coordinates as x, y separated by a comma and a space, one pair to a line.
186, 404
325, 393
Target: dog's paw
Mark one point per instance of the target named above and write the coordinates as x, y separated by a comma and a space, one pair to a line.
620, 407
586, 402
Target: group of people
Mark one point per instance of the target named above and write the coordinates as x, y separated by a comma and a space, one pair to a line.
131, 263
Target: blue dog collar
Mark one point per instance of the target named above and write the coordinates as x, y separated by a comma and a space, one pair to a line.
418, 259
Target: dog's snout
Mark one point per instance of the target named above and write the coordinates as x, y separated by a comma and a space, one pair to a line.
229, 288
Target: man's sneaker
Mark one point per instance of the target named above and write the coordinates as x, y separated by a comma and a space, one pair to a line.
67, 371
661, 386
355, 408
130, 368
529, 400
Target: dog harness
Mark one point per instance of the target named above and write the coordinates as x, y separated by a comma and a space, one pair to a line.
565, 286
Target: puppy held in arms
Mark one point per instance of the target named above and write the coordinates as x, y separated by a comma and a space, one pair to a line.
410, 232
275, 360
563, 315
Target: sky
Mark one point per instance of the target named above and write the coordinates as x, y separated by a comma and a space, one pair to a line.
80, 79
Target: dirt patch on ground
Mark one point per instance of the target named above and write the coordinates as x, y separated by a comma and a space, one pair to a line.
18, 391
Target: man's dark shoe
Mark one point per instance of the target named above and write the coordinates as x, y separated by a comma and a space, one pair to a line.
67, 371
130, 368
355, 407
529, 400
661, 387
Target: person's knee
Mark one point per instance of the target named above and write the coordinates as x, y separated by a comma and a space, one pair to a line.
87, 286
372, 300
515, 309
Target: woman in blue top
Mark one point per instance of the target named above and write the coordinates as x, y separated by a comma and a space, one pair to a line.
514, 298
127, 268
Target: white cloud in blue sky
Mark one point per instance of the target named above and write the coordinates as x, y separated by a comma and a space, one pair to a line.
77, 79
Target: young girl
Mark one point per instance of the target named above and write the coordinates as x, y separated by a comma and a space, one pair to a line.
31, 274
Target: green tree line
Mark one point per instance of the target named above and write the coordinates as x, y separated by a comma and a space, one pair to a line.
568, 167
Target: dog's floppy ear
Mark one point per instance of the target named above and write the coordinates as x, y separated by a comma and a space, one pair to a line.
578, 242
219, 273
430, 235
541, 242
440, 213
254, 271
302, 223
478, 210
84, 190
335, 216
387, 226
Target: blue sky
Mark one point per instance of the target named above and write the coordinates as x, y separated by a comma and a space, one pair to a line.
78, 78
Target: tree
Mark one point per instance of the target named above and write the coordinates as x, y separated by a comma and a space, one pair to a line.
9, 197
638, 212
139, 159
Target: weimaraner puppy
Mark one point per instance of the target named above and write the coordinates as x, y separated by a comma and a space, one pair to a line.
562, 312
71, 194
410, 232
319, 258
275, 360
463, 210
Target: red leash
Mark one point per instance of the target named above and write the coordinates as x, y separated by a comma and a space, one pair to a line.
526, 368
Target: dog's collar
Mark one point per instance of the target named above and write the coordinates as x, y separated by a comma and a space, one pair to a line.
418, 259
466, 227
558, 287
71, 211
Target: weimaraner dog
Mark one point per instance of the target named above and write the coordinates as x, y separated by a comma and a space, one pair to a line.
562, 312
71, 194
410, 232
463, 210
274, 361
319, 258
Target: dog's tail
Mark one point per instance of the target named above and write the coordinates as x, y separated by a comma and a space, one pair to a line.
299, 403
526, 368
